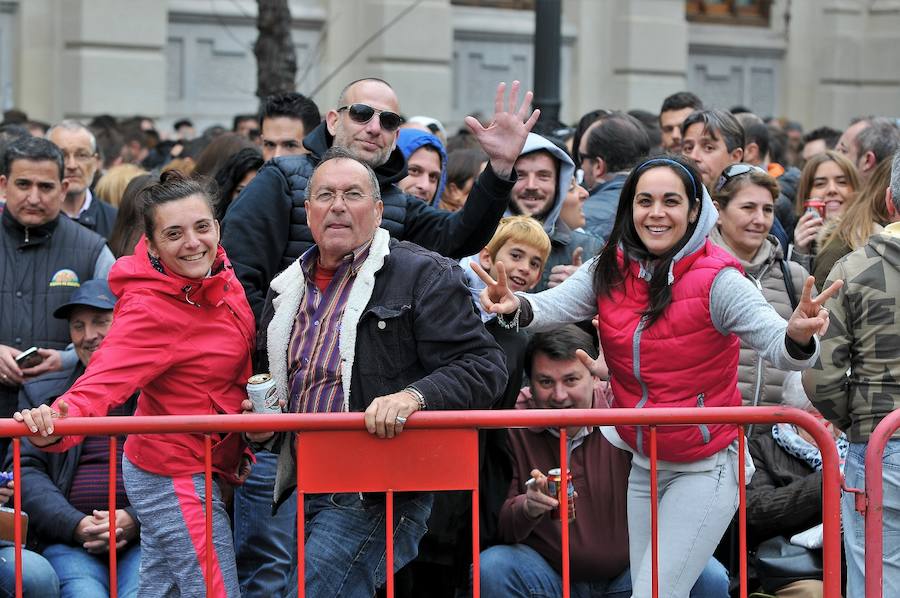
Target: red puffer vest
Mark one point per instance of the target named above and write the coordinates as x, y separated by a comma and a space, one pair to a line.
681, 360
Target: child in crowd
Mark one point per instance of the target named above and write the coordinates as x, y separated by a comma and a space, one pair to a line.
519, 248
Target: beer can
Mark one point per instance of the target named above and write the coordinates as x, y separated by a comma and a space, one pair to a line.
555, 488
261, 390
815, 205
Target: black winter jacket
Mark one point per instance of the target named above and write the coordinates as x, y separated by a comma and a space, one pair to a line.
40, 267
784, 496
100, 217
265, 228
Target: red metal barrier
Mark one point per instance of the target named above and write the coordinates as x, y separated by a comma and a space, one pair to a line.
870, 503
449, 461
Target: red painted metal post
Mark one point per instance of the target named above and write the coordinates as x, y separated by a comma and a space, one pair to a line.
874, 503
301, 528
742, 512
563, 493
654, 516
476, 543
17, 506
113, 584
469, 420
389, 542
476, 529
207, 470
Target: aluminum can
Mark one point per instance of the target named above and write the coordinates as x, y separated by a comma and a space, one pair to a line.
261, 390
555, 488
815, 205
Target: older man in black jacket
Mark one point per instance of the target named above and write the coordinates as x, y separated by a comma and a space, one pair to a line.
362, 322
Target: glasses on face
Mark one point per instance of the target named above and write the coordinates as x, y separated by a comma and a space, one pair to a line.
363, 113
79, 156
350, 196
734, 171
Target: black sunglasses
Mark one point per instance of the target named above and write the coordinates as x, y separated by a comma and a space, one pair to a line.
734, 171
363, 113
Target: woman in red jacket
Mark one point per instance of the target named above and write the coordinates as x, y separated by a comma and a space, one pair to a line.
182, 334
671, 309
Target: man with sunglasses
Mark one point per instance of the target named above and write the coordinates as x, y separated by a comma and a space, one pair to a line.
266, 230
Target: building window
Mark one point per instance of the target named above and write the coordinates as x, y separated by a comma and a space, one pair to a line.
515, 4
732, 12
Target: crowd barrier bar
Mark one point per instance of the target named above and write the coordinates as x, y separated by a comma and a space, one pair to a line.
870, 502
441, 469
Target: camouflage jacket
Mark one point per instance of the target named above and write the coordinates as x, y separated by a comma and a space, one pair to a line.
856, 382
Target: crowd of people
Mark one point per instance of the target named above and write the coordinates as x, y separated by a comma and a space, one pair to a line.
371, 261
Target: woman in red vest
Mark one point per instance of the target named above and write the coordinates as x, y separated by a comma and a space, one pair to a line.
672, 308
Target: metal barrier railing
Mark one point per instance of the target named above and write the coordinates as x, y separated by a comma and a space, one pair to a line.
870, 502
442, 460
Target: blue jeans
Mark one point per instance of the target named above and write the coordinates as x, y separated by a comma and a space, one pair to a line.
264, 544
518, 571
854, 524
345, 543
38, 577
83, 574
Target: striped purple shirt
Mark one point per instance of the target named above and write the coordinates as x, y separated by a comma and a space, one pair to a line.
314, 359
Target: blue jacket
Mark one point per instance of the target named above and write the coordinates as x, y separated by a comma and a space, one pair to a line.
47, 477
265, 228
601, 205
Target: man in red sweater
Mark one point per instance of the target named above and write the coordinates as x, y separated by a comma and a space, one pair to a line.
565, 373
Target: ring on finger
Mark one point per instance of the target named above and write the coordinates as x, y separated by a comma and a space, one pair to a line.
400, 420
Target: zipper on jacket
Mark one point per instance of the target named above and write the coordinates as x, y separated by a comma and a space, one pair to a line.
636, 370
187, 290
26, 234
704, 429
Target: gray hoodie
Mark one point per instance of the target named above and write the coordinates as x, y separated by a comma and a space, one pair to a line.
563, 240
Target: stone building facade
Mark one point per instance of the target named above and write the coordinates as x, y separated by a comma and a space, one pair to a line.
815, 61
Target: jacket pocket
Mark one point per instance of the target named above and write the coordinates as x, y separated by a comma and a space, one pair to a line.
385, 342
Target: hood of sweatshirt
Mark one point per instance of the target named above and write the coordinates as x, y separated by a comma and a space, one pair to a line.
410, 140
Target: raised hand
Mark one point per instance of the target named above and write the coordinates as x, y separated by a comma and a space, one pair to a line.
503, 139
811, 317
561, 272
597, 367
496, 298
807, 230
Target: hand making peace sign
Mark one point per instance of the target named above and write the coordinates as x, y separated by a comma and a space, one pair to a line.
496, 298
811, 317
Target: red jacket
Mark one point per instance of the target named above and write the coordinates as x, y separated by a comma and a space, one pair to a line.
186, 345
679, 361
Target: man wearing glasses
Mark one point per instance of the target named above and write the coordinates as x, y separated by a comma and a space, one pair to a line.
362, 322
79, 148
266, 230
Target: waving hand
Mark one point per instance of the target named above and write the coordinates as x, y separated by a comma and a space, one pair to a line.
503, 139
